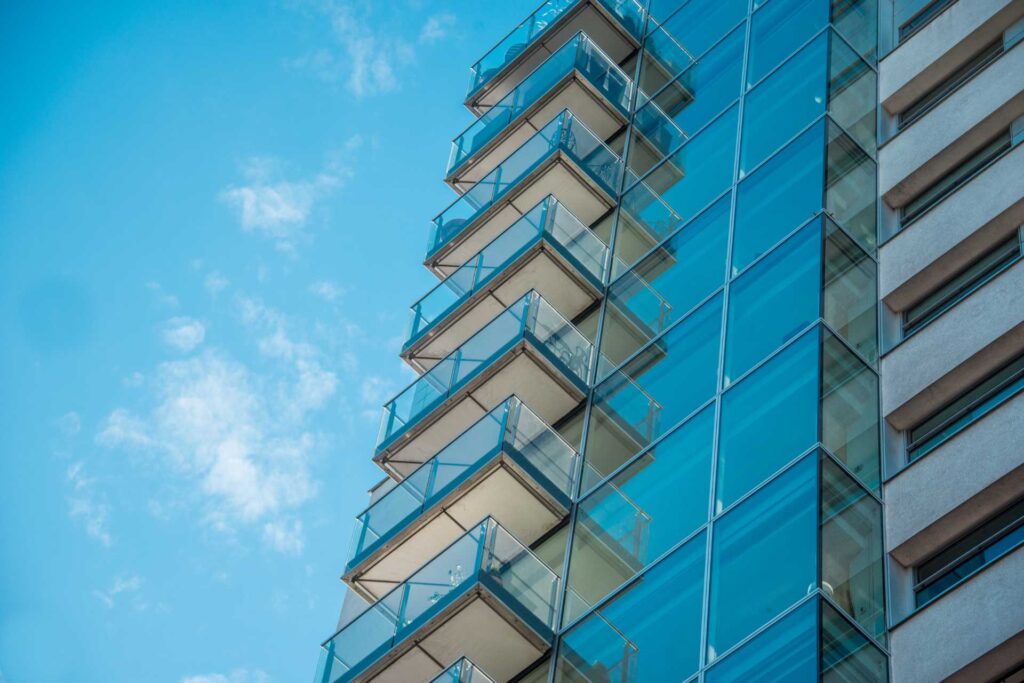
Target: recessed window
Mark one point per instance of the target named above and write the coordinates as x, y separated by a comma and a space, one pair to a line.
922, 17
992, 392
1000, 535
963, 284
948, 85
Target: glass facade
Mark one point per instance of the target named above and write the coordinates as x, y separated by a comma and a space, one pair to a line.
719, 480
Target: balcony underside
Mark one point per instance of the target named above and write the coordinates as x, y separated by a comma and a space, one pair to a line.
502, 489
588, 17
476, 625
525, 371
559, 176
543, 267
574, 93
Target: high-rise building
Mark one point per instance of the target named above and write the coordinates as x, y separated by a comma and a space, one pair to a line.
721, 380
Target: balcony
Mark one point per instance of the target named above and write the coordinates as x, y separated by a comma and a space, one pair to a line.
528, 350
578, 76
616, 25
564, 158
463, 671
485, 597
509, 465
548, 249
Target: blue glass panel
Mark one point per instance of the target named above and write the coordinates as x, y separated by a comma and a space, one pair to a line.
773, 301
687, 181
768, 419
765, 556
640, 513
784, 103
699, 23
781, 195
666, 284
846, 655
654, 391
787, 651
649, 633
707, 87
779, 28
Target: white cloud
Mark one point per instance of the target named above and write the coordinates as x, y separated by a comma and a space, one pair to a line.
286, 538
327, 290
183, 333
215, 283
121, 428
121, 584
86, 505
236, 676
69, 423
277, 208
162, 297
437, 28
375, 390
134, 380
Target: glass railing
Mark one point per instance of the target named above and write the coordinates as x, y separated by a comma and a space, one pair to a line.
548, 220
629, 13
510, 428
580, 53
563, 133
486, 555
462, 671
529, 318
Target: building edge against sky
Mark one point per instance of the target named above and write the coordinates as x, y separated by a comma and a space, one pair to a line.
721, 379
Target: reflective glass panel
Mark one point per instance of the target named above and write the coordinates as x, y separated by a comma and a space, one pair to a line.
850, 292
786, 651
768, 419
764, 556
849, 410
649, 633
666, 284
784, 103
850, 187
654, 391
707, 87
640, 513
852, 93
773, 301
857, 20
851, 548
846, 655
699, 23
781, 195
778, 29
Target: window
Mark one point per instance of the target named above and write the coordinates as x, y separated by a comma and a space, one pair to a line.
1000, 535
764, 556
787, 651
778, 29
988, 395
963, 284
949, 85
922, 17
956, 178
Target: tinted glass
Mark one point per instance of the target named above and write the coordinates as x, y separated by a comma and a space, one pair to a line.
641, 512
846, 655
648, 633
773, 301
699, 23
784, 103
852, 94
785, 652
768, 419
781, 195
778, 29
850, 187
850, 292
764, 556
849, 410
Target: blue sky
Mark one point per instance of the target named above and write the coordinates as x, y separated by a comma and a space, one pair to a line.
212, 217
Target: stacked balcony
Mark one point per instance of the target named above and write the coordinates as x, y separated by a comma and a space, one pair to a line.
617, 24
444, 581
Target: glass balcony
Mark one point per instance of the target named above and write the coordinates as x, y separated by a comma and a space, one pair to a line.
578, 73
564, 158
509, 465
463, 671
548, 249
486, 587
618, 23
528, 350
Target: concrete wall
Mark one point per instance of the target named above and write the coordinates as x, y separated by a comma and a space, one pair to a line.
959, 629
956, 350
